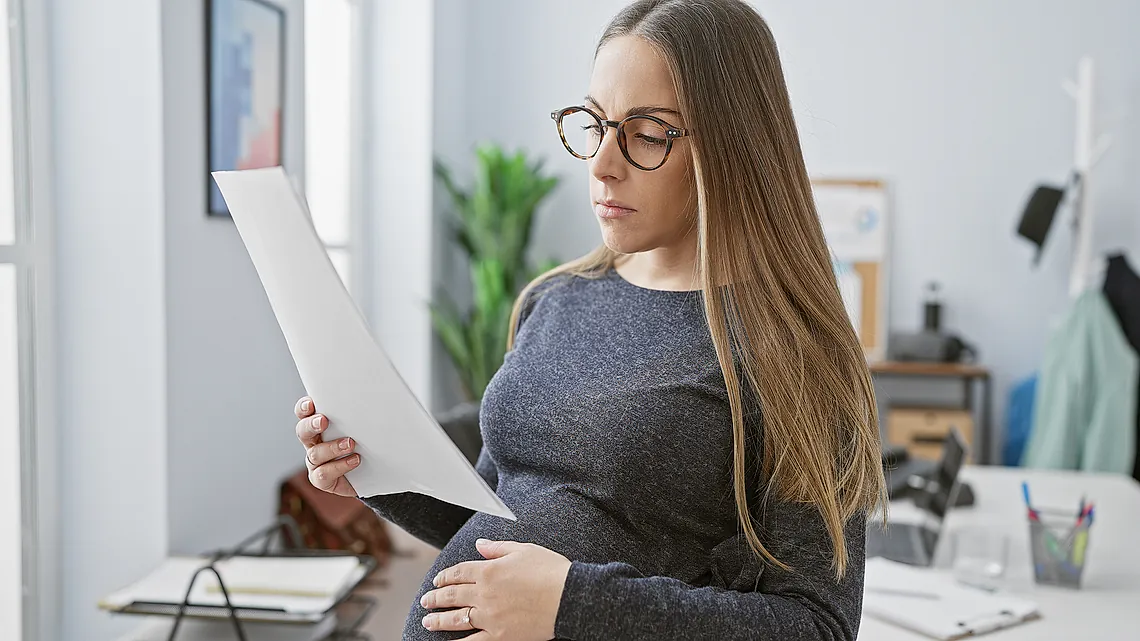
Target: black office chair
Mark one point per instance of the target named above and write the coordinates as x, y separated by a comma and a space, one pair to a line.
461, 423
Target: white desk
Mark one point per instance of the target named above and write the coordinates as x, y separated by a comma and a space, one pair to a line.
1107, 606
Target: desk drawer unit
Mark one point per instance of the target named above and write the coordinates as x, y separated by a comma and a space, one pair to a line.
921, 430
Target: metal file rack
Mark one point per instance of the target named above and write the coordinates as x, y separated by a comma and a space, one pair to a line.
360, 606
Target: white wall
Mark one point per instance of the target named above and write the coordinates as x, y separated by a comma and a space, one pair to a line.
107, 109
398, 182
956, 104
231, 383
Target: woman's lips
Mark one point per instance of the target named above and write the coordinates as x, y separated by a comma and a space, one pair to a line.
611, 211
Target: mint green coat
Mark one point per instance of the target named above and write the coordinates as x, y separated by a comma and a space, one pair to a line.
1084, 415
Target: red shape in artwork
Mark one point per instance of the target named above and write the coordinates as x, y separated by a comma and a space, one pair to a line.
264, 149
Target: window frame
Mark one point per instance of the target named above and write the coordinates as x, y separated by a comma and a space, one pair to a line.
356, 245
32, 254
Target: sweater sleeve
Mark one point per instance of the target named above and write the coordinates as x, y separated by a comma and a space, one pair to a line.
615, 601
427, 518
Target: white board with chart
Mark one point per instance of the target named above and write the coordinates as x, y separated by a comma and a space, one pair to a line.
854, 215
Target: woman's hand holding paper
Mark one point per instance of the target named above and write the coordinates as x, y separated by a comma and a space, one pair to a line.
327, 462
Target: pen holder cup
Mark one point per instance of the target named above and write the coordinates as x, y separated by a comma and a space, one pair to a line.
1059, 548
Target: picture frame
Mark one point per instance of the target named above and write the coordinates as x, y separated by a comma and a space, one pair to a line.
855, 214
245, 89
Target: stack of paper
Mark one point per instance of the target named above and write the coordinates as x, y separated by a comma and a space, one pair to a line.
166, 584
303, 586
303, 576
933, 603
158, 629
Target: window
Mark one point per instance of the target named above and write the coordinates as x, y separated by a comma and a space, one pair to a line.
331, 89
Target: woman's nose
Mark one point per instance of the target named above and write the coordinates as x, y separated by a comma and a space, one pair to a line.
608, 162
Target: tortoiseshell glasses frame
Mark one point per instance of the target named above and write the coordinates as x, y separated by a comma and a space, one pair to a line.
671, 133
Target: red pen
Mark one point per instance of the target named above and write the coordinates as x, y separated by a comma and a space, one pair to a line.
1086, 512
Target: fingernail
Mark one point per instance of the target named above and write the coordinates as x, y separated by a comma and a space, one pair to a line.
345, 443
316, 423
354, 461
427, 622
423, 601
480, 541
305, 405
435, 580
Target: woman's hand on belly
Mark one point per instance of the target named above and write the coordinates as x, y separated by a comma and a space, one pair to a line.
513, 595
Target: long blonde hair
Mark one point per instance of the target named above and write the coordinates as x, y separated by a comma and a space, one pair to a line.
781, 315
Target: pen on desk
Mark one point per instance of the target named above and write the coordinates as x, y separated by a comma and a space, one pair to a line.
1028, 504
1079, 548
1082, 514
1080, 535
1053, 545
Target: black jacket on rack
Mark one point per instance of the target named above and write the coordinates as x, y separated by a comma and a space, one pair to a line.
1122, 289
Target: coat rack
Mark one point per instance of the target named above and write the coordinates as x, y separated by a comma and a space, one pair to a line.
1088, 149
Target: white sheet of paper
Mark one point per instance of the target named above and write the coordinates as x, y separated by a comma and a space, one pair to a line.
402, 447
932, 602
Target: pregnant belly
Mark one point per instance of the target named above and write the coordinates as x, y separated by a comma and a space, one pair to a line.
559, 519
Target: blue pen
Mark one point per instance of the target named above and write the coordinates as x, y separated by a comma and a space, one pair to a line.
1025, 495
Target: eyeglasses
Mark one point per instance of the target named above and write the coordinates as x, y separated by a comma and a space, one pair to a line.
644, 140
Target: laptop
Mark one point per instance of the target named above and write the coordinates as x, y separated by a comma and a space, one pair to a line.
900, 471
914, 543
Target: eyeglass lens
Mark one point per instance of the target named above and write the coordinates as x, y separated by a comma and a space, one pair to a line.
645, 140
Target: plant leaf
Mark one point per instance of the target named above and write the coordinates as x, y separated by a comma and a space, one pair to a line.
451, 331
495, 218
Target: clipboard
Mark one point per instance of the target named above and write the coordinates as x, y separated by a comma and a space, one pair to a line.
932, 603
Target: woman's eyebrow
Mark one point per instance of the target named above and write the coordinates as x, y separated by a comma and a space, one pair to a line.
637, 111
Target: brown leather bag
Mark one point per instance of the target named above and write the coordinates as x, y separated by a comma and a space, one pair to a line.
331, 522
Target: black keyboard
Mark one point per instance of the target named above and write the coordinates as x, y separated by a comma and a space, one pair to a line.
900, 543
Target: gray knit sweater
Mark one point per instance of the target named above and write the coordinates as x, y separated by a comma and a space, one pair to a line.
607, 432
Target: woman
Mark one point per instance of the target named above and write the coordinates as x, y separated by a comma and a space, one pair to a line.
684, 424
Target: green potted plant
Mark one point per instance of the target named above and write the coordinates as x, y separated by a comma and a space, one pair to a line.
493, 222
